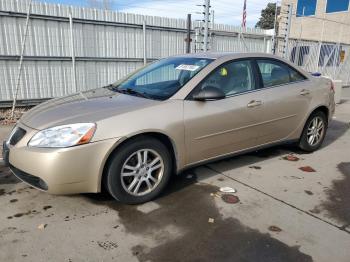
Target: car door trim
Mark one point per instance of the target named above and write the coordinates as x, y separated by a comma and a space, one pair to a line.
244, 127
238, 152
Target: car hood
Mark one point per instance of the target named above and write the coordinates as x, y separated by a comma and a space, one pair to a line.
89, 106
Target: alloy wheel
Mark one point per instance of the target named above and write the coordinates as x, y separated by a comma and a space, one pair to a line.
142, 171
315, 131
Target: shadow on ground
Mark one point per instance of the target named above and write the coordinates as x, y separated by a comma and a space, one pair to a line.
180, 223
338, 201
180, 226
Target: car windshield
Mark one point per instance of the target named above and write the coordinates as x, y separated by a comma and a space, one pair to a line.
162, 79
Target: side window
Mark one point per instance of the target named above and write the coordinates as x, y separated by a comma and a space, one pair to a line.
295, 75
276, 73
232, 78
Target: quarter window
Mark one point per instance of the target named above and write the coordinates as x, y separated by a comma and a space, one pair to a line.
232, 78
276, 73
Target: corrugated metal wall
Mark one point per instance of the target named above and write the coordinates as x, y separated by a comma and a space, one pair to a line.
107, 46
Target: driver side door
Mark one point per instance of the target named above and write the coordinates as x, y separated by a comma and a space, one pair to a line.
219, 127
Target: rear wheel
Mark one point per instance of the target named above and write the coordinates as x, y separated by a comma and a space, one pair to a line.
139, 170
314, 132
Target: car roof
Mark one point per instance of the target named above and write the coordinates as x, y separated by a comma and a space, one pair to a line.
217, 55
239, 55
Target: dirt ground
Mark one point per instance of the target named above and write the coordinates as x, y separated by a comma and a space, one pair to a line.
283, 213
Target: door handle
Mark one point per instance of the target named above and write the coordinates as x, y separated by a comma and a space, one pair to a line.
304, 92
254, 103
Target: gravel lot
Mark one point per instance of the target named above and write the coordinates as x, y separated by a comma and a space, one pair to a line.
284, 214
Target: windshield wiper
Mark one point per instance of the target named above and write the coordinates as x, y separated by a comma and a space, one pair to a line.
111, 87
130, 91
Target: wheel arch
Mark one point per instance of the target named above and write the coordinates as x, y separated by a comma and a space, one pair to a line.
165, 139
321, 108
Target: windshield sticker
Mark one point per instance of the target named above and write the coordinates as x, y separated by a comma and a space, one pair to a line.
187, 67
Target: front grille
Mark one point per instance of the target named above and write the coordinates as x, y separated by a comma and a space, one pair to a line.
17, 135
30, 179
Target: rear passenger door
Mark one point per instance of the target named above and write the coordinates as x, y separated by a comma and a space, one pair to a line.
286, 99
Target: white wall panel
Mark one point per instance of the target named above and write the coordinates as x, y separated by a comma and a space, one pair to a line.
107, 46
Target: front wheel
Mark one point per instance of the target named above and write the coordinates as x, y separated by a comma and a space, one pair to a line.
139, 170
314, 132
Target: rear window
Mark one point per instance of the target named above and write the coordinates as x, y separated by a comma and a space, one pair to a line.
277, 73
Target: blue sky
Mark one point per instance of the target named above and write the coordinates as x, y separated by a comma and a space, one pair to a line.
226, 11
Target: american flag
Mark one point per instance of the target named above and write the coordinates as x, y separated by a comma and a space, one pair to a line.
244, 18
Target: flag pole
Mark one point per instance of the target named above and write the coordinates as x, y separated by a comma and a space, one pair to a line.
244, 16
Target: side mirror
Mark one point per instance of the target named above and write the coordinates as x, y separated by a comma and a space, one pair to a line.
208, 93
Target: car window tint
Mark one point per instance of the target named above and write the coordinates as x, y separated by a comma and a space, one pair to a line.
277, 73
232, 78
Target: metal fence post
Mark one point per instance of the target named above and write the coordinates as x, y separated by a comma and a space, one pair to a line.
20, 68
144, 42
318, 56
274, 37
239, 42
188, 37
335, 62
289, 22
320, 45
72, 52
206, 25
196, 31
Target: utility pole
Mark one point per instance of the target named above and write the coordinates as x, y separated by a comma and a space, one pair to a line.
206, 24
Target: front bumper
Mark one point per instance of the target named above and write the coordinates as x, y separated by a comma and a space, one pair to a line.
60, 170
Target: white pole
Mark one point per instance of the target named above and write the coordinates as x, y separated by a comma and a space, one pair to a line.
196, 30
206, 24
20, 68
72, 52
144, 42
212, 46
290, 13
297, 53
274, 30
320, 45
337, 55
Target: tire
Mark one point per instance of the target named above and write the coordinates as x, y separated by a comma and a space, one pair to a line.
306, 143
126, 160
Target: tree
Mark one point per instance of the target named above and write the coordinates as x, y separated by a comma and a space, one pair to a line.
267, 19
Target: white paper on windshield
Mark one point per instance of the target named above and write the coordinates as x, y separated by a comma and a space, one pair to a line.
187, 67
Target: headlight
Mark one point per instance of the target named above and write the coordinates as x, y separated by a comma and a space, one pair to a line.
64, 136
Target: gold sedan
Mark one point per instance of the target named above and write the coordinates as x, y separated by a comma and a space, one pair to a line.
131, 136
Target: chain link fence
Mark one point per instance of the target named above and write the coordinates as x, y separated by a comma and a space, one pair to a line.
328, 59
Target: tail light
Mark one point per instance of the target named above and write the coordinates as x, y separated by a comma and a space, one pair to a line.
332, 87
